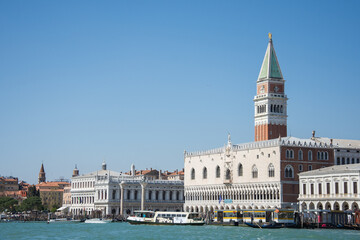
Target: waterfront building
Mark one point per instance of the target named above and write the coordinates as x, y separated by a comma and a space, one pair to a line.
260, 174
108, 192
51, 193
10, 187
330, 188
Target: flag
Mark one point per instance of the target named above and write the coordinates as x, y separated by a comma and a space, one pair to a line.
220, 198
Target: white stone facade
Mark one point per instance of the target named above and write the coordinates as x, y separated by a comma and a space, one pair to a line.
252, 175
115, 193
331, 188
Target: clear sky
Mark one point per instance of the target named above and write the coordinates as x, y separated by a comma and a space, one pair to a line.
142, 81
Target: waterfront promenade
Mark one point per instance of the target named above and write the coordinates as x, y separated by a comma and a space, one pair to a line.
42, 230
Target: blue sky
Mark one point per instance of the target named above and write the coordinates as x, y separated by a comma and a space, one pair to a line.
142, 81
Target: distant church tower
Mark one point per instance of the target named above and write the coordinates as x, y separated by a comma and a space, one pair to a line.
42, 177
270, 100
75, 172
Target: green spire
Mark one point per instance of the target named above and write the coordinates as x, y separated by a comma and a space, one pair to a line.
270, 67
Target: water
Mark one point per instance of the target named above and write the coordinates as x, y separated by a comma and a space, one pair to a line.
42, 230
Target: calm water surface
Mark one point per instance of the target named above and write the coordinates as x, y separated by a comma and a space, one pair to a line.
41, 230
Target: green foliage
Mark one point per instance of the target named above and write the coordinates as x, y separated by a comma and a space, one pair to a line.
32, 192
31, 203
8, 203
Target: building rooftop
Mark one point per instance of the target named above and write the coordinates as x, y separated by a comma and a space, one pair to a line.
349, 168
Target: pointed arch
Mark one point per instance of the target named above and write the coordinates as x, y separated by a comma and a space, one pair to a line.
254, 171
271, 170
217, 171
192, 174
289, 171
204, 173
240, 170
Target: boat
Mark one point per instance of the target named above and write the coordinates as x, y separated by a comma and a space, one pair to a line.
98, 220
165, 218
264, 225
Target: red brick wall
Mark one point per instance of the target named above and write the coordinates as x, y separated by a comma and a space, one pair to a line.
291, 185
269, 131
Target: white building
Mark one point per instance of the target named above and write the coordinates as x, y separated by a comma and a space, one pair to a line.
116, 193
256, 175
330, 188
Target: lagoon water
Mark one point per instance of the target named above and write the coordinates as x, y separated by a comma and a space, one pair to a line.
42, 230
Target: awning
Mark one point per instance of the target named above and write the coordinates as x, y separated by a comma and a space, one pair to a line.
62, 208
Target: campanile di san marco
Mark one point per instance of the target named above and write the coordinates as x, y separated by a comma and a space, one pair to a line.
270, 100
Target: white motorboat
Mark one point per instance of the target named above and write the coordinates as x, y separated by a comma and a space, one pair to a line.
98, 220
165, 218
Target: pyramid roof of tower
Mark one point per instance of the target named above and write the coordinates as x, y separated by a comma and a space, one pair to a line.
270, 67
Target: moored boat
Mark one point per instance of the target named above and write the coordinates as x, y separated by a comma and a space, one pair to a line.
264, 225
97, 220
165, 218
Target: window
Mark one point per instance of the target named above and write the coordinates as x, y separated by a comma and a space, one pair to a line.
300, 154
300, 167
320, 188
192, 174
327, 188
338, 161
254, 171
318, 155
348, 161
228, 174
309, 168
345, 187
271, 170
205, 173
353, 160
289, 171
217, 172
240, 170
312, 189
289, 153
310, 155
342, 161
336, 188
304, 188
355, 187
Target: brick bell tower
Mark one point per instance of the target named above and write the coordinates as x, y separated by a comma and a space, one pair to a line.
270, 100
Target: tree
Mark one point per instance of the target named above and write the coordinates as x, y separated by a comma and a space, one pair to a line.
32, 192
32, 203
8, 203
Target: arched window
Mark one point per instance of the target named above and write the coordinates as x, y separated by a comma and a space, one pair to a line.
281, 109
254, 171
289, 171
289, 153
300, 154
192, 174
271, 108
322, 156
310, 155
326, 157
271, 170
240, 170
217, 171
205, 173
228, 174
318, 155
